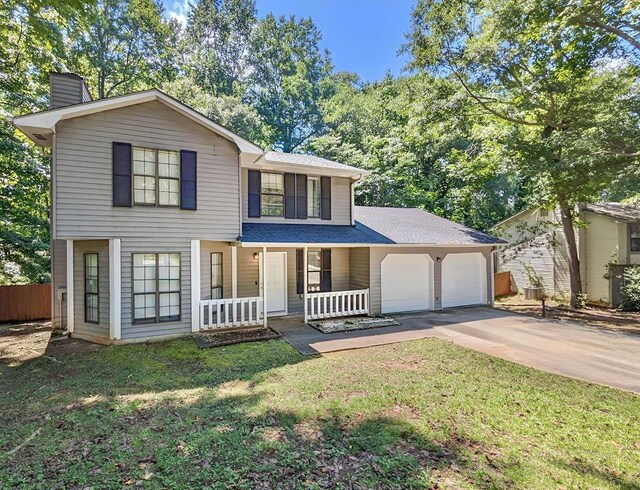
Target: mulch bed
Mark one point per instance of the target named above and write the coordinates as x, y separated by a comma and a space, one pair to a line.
205, 340
350, 324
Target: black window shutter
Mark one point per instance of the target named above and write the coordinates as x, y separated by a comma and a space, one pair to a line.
325, 195
121, 156
255, 182
325, 278
188, 179
299, 271
301, 187
290, 196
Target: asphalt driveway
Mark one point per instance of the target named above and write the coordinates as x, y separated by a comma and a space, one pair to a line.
567, 348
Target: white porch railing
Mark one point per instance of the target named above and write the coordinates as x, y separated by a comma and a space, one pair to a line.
231, 312
337, 303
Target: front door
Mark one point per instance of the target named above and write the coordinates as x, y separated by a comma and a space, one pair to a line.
276, 280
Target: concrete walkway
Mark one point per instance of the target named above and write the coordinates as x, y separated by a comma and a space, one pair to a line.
567, 348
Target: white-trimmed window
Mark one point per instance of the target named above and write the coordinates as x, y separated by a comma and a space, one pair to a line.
313, 197
91, 297
314, 270
156, 177
272, 194
156, 287
216, 275
634, 237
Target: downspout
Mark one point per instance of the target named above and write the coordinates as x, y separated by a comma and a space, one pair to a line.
353, 186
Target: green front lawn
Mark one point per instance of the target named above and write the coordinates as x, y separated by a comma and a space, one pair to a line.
420, 414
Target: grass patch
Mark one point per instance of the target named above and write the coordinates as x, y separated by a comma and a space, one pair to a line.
413, 415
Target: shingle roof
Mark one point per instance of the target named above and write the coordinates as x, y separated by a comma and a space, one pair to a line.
307, 160
374, 225
623, 212
415, 226
305, 233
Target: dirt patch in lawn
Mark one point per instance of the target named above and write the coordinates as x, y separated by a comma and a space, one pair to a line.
21, 342
598, 316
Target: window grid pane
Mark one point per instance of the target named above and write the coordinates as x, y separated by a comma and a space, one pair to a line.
216, 275
156, 287
313, 197
314, 259
272, 194
91, 298
156, 177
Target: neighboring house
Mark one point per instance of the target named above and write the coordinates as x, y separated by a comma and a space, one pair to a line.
535, 236
165, 223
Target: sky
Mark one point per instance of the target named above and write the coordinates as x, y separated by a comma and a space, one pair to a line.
363, 36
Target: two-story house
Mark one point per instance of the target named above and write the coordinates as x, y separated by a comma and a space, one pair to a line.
165, 223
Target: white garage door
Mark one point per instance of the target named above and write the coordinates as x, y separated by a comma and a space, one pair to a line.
407, 283
464, 279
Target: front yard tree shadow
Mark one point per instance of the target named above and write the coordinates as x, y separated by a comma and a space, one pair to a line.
421, 414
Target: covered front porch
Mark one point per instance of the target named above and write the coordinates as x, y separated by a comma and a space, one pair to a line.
240, 285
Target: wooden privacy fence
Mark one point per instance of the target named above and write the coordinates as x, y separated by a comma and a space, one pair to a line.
502, 283
22, 303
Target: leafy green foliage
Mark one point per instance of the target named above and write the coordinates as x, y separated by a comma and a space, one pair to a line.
288, 79
630, 289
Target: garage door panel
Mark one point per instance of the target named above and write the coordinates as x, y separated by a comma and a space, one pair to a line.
407, 281
464, 279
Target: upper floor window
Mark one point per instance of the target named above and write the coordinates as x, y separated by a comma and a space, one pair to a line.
156, 177
313, 197
272, 194
634, 244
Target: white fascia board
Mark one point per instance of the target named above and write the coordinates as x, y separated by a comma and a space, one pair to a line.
46, 120
311, 169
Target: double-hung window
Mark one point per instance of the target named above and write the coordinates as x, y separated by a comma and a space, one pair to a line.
634, 237
91, 298
314, 269
313, 197
156, 287
156, 177
216, 275
272, 194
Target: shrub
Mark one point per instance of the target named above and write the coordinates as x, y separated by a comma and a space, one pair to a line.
630, 289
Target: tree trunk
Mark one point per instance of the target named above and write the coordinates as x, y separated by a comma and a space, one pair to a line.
566, 214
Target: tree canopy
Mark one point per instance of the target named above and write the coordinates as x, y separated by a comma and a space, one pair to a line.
506, 104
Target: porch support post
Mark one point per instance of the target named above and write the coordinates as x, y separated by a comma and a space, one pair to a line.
264, 285
304, 283
115, 290
234, 272
70, 319
195, 285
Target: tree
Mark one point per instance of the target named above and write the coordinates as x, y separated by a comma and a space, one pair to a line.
570, 104
122, 46
288, 79
216, 43
425, 145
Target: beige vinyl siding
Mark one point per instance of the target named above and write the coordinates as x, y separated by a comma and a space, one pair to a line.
206, 248
377, 254
602, 243
83, 177
358, 268
129, 246
101, 247
58, 280
65, 90
340, 204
